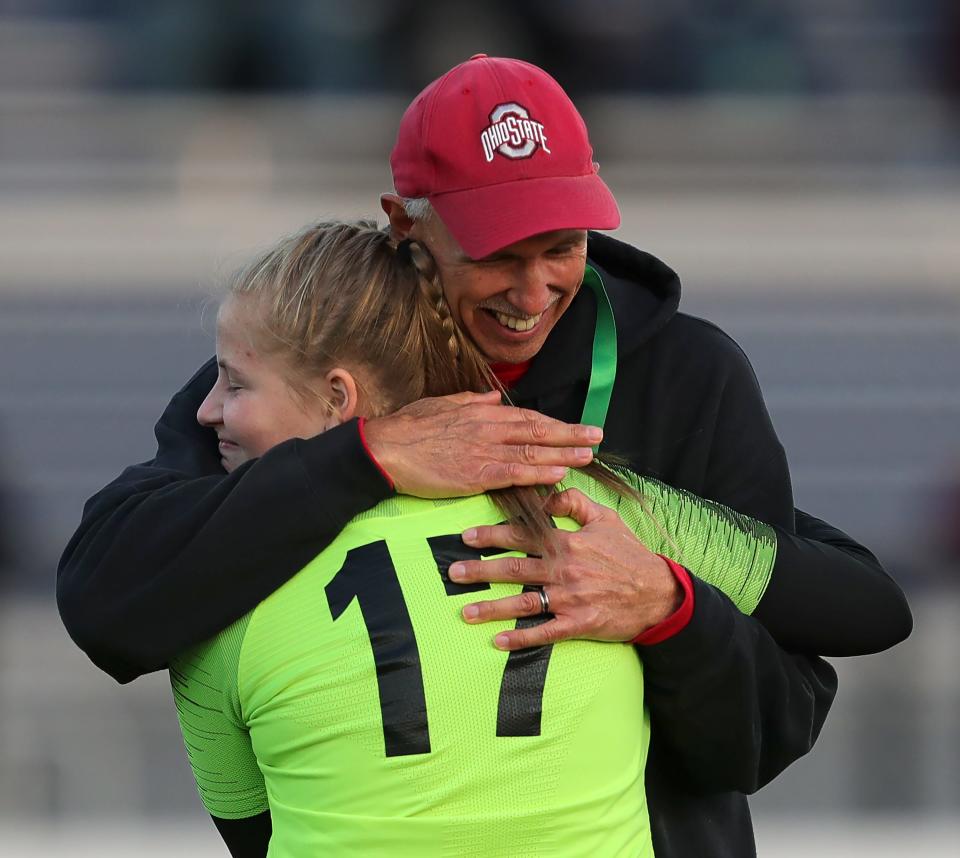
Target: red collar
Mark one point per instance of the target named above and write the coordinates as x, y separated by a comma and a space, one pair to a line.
508, 374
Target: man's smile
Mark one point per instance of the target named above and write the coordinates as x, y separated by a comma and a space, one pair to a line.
516, 323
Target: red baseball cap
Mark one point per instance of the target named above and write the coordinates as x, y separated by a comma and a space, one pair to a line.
500, 151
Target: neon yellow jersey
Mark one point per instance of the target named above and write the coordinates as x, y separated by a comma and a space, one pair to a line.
356, 705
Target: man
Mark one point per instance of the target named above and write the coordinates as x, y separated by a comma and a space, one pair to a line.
494, 173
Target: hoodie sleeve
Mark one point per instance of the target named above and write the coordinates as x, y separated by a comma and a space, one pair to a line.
732, 707
175, 549
829, 595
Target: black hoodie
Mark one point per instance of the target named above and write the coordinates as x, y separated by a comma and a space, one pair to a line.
174, 550
686, 408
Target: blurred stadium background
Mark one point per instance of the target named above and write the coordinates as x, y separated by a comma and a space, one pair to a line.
797, 162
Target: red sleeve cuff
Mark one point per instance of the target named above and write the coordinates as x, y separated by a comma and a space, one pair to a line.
363, 440
678, 620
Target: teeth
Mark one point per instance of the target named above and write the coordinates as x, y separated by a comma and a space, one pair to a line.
516, 324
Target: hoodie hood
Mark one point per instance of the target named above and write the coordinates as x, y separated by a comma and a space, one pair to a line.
644, 294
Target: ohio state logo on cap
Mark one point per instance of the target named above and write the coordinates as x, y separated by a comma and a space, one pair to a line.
512, 133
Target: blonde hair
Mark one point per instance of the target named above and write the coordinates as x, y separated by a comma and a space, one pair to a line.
348, 294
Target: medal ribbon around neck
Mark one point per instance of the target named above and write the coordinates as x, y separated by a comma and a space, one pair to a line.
604, 367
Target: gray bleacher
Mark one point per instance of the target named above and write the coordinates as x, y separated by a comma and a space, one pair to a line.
84, 383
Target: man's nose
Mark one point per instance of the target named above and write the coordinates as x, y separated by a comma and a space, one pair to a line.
531, 292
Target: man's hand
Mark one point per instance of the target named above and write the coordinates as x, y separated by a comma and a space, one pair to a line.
602, 582
463, 444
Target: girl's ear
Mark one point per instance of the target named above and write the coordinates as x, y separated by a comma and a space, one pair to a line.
342, 394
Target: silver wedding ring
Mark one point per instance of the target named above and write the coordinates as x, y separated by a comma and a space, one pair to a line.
544, 601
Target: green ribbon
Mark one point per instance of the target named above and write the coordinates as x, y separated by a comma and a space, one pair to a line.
604, 368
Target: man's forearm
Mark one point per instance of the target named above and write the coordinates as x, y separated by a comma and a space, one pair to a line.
162, 561
830, 596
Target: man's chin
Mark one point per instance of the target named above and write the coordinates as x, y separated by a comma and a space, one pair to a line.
509, 356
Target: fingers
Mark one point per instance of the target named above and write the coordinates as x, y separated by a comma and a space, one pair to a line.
511, 425
526, 604
546, 633
507, 536
574, 504
531, 454
510, 607
499, 475
469, 442
524, 427
513, 570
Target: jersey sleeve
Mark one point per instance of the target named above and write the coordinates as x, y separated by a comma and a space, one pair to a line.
734, 553
204, 682
819, 592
